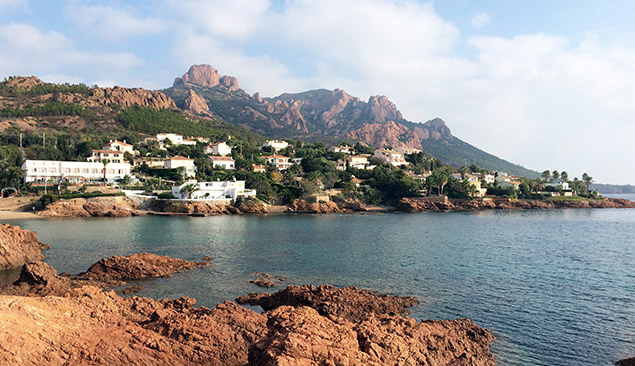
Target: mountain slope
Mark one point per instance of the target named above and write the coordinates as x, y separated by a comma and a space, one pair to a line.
329, 116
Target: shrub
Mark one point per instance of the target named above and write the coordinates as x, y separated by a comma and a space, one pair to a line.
166, 196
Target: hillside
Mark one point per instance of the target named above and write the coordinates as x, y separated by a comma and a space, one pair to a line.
74, 114
326, 115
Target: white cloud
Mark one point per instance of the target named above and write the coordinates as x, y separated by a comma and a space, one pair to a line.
480, 20
235, 20
113, 24
27, 50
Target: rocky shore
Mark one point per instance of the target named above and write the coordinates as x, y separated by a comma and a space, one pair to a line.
115, 206
426, 204
51, 319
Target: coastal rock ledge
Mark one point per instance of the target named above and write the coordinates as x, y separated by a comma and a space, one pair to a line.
303, 325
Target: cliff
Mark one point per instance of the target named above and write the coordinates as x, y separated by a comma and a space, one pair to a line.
18, 247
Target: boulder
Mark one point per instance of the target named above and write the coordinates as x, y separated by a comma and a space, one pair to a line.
18, 247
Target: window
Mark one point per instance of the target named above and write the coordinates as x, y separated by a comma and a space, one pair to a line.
111, 171
67, 170
75, 170
85, 170
34, 170
53, 170
95, 171
43, 170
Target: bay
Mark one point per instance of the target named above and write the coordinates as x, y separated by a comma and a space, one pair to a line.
557, 287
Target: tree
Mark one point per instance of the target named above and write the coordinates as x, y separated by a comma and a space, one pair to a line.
555, 175
587, 179
189, 189
105, 162
565, 176
546, 175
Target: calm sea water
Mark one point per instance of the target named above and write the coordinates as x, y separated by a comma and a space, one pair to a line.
557, 287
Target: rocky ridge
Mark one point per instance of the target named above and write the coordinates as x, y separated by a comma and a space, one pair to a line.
18, 247
196, 104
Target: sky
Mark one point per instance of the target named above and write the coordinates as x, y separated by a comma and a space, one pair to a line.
544, 84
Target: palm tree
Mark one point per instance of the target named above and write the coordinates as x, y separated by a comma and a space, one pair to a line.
189, 189
555, 175
545, 175
105, 162
587, 179
565, 176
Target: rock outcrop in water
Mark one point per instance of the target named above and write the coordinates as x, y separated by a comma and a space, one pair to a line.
207, 208
18, 247
67, 322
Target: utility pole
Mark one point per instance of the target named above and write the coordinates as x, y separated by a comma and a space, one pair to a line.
21, 139
43, 140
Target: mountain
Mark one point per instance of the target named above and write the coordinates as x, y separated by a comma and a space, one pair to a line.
329, 116
28, 105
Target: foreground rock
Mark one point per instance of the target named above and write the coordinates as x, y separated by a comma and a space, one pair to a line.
434, 204
626, 362
18, 247
40, 279
89, 326
346, 302
114, 206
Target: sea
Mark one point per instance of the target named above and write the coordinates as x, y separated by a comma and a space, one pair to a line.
556, 287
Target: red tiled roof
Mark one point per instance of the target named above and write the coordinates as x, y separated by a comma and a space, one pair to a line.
108, 151
220, 158
119, 142
179, 158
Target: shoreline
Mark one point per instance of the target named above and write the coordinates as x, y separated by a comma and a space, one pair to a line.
405, 205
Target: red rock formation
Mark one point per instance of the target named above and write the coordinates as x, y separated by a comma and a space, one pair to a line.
427, 204
347, 302
196, 104
207, 208
110, 206
127, 97
206, 76
23, 82
138, 266
18, 247
303, 206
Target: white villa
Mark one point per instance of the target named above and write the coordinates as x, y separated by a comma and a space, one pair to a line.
407, 150
179, 162
277, 145
226, 190
218, 148
110, 155
113, 151
115, 145
560, 185
358, 161
344, 149
391, 157
224, 162
73, 171
170, 138
280, 161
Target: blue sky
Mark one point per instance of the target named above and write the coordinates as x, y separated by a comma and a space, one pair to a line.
545, 84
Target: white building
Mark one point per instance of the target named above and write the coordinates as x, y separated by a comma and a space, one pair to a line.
391, 157
344, 149
559, 185
73, 171
224, 162
357, 161
177, 162
226, 190
280, 161
110, 155
218, 148
115, 145
407, 150
165, 139
277, 145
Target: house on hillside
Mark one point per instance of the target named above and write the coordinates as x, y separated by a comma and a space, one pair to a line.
176, 162
280, 161
122, 146
224, 162
277, 145
358, 161
110, 155
391, 157
218, 148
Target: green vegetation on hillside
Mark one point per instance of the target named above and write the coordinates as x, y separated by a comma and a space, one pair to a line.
48, 109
